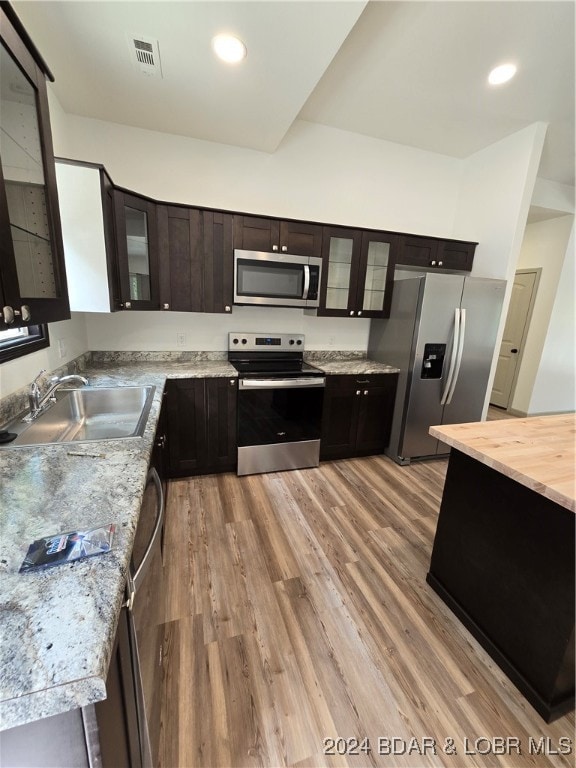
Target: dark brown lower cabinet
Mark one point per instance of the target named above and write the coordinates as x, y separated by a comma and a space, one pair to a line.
201, 426
357, 415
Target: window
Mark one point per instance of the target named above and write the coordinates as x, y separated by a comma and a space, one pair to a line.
16, 342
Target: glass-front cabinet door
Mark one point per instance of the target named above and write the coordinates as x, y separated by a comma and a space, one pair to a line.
340, 262
376, 274
32, 275
137, 251
357, 272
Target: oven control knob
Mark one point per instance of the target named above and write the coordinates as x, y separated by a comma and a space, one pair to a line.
299, 342
244, 341
291, 341
234, 341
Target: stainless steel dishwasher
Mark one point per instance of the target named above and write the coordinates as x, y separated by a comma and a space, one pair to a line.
146, 617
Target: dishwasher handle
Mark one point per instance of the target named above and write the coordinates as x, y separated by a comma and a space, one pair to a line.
135, 579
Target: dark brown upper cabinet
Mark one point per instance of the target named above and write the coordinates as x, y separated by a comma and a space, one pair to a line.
218, 261
431, 253
32, 274
299, 238
357, 273
180, 249
196, 259
137, 251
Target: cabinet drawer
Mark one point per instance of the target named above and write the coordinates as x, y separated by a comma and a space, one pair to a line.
355, 380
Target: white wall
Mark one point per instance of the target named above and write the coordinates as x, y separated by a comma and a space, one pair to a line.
322, 174
555, 385
495, 193
544, 246
153, 331
67, 340
317, 173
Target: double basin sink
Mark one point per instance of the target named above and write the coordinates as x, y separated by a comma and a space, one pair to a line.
86, 414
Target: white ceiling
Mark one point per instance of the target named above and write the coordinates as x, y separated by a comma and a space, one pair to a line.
408, 72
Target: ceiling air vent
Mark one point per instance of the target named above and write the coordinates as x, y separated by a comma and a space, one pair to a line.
145, 54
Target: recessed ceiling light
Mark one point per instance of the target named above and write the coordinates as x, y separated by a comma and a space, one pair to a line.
229, 48
502, 74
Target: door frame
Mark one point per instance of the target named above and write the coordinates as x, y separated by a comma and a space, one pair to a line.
537, 271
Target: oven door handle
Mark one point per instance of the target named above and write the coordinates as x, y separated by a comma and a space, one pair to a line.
306, 281
310, 381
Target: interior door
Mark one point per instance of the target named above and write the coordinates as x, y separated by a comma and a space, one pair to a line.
514, 336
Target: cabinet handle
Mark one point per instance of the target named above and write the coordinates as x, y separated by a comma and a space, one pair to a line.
8, 315
232, 382
433, 263
227, 308
359, 312
285, 248
128, 305
352, 312
26, 314
439, 263
358, 392
365, 391
165, 306
274, 247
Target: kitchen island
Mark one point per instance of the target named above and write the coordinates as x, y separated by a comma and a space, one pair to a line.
503, 555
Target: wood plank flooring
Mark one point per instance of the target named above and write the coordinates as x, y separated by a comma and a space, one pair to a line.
298, 613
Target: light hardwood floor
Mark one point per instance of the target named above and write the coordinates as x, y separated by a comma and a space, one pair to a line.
298, 612
496, 413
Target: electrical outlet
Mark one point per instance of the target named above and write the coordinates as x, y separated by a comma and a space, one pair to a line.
181, 339
61, 348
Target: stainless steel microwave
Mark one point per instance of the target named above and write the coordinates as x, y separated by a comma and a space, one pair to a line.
276, 279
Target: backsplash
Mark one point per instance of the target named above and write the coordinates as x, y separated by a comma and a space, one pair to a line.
172, 357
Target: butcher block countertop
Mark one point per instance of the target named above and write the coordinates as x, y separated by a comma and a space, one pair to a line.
537, 452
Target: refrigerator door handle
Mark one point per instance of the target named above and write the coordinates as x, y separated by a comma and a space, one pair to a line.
453, 356
459, 355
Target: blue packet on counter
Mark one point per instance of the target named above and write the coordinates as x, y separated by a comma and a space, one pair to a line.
67, 547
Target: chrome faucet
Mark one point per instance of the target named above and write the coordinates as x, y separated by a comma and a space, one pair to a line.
38, 402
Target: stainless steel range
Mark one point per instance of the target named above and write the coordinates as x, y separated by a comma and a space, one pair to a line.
280, 400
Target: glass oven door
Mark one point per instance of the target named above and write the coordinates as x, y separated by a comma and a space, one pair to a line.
277, 410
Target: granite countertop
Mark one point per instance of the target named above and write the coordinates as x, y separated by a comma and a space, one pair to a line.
57, 626
537, 452
352, 367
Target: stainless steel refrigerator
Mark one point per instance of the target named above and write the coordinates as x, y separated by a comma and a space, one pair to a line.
441, 334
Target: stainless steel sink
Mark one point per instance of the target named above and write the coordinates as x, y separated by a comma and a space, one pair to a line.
86, 414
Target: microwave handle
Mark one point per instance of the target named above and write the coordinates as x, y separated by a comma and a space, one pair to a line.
306, 281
